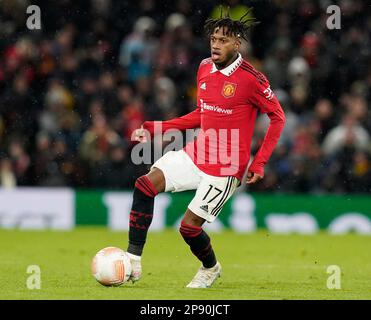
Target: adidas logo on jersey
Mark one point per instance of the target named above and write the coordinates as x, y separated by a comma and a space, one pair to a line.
205, 207
203, 86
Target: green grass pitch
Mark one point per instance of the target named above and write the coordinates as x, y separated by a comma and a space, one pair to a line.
255, 266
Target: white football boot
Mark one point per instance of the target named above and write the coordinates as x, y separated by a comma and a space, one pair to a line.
205, 277
136, 267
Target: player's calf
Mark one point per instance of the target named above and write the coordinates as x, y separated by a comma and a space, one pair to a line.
141, 214
199, 243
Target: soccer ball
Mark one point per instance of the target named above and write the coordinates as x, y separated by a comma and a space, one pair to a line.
111, 266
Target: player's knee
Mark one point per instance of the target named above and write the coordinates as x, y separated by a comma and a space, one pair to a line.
192, 219
188, 230
157, 178
145, 185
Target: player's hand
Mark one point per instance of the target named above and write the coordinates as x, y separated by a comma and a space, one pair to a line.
253, 177
140, 135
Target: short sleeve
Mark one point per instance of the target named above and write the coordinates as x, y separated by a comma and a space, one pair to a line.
263, 97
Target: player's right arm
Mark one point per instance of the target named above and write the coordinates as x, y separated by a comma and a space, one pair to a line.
191, 120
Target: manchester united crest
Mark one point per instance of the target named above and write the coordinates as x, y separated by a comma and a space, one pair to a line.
229, 89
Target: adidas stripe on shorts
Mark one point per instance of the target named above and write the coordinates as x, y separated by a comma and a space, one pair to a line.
182, 174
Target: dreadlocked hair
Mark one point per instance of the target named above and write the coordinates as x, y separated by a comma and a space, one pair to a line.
238, 28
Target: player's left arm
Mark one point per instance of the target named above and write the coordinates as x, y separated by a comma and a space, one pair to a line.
266, 101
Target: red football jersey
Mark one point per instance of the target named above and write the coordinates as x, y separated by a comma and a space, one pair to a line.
228, 101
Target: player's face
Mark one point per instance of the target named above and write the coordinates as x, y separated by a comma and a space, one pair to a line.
223, 48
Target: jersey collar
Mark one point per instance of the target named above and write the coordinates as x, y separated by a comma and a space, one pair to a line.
227, 71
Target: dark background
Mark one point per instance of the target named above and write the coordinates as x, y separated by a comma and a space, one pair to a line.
72, 92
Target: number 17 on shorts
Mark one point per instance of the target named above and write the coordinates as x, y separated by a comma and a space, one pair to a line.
211, 195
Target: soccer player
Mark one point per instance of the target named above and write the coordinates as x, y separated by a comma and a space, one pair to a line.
230, 93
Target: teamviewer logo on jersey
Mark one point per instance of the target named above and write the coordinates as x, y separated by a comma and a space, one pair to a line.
204, 106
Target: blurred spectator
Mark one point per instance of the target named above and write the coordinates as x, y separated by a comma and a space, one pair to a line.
360, 179
325, 118
43, 158
107, 83
21, 162
276, 63
165, 94
97, 140
347, 133
132, 117
138, 49
17, 106
58, 101
298, 72
7, 177
116, 172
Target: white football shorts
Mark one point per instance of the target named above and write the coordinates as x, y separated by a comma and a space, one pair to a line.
182, 174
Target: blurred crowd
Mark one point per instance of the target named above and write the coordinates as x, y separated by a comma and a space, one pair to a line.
72, 93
